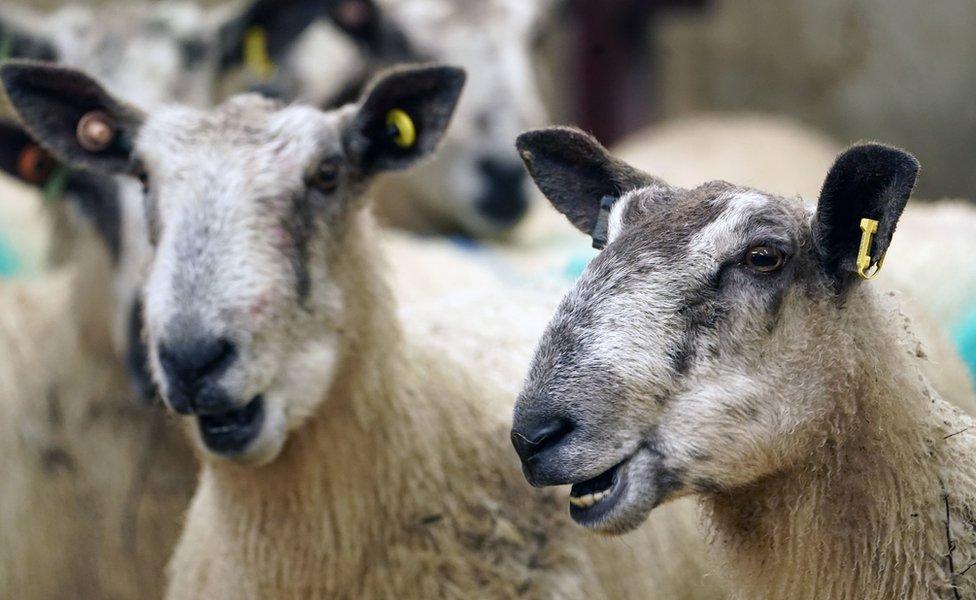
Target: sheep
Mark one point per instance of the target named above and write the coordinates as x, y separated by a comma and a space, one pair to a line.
724, 345
95, 502
94, 485
99, 230
783, 156
161, 52
340, 457
476, 185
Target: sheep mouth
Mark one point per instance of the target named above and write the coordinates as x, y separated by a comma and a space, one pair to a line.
231, 432
591, 500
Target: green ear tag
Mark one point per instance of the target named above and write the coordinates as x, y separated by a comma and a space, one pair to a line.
401, 128
56, 184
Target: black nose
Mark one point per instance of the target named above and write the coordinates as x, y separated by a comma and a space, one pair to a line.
192, 368
504, 198
531, 436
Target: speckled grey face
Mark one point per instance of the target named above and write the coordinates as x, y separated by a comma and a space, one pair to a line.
248, 207
681, 360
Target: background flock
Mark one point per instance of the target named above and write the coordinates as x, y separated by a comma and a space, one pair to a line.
278, 274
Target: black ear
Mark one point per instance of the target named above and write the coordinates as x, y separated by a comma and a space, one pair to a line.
55, 103
402, 117
365, 24
18, 41
575, 172
868, 181
281, 23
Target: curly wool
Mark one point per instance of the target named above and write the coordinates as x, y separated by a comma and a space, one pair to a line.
883, 505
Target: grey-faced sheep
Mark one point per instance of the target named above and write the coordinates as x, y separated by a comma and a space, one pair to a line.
723, 345
340, 457
782, 156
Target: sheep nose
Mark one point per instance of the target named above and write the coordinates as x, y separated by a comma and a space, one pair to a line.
504, 198
532, 437
192, 368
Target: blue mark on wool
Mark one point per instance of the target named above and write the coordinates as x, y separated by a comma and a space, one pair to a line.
577, 264
465, 243
965, 337
9, 262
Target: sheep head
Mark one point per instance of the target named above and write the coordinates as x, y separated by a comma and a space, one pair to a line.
476, 184
705, 346
247, 207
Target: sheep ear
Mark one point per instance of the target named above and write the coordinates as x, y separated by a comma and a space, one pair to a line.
281, 22
22, 37
575, 172
402, 117
53, 101
868, 181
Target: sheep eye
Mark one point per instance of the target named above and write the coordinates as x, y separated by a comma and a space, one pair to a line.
325, 176
764, 259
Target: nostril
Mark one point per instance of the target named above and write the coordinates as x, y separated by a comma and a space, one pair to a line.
216, 357
504, 197
534, 438
191, 364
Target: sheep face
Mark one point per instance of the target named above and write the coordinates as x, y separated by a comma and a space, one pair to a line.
247, 206
702, 349
476, 183
148, 54
243, 267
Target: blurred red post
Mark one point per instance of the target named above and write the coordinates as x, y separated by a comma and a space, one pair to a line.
614, 65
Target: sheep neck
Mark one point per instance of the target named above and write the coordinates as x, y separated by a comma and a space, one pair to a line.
865, 514
358, 475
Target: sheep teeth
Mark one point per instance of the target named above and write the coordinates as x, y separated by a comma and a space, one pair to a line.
589, 499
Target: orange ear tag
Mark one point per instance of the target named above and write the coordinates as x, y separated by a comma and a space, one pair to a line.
34, 165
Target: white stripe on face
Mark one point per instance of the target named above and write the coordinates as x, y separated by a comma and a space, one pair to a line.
723, 232
615, 224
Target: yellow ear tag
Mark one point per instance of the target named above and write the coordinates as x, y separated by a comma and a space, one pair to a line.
869, 227
401, 128
256, 57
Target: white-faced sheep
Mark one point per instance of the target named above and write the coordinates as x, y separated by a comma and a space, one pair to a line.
169, 52
340, 457
104, 520
476, 183
131, 527
123, 529
723, 345
94, 485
